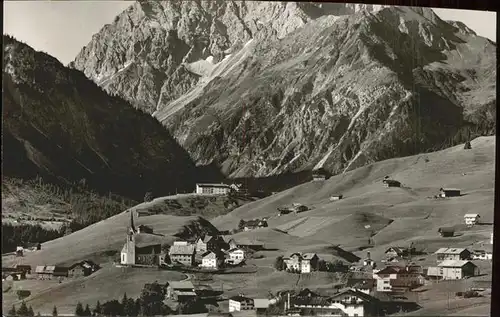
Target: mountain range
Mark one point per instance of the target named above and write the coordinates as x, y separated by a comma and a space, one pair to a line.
264, 88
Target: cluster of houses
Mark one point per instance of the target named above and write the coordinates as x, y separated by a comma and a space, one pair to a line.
208, 252
49, 272
28, 247
293, 208
253, 224
453, 263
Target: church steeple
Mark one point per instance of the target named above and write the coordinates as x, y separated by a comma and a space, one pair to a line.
132, 227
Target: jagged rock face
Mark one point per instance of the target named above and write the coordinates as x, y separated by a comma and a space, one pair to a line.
312, 89
59, 124
142, 55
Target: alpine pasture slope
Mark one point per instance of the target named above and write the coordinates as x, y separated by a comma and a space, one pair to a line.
396, 216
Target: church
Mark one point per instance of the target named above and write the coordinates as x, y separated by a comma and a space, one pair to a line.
137, 250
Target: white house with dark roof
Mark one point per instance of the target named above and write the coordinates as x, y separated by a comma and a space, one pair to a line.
240, 302
211, 260
471, 219
235, 256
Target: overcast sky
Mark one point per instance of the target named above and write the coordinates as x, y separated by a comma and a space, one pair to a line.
62, 28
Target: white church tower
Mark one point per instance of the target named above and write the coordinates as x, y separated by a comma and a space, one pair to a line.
128, 250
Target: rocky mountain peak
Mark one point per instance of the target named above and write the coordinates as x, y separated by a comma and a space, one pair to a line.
262, 88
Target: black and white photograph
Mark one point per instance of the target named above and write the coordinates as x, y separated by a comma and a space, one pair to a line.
248, 159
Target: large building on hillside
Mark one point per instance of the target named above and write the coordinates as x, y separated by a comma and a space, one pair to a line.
213, 189
137, 252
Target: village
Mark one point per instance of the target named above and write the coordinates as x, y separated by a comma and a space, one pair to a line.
370, 288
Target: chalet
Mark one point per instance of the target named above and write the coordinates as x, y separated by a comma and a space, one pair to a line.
347, 302
471, 219
84, 268
303, 263
144, 229
449, 192
31, 246
23, 268
212, 260
213, 189
335, 197
446, 232
14, 276
397, 279
295, 208
45, 272
180, 291
453, 269
254, 224
391, 183
486, 254
76, 270
182, 253
444, 254
235, 256
240, 302
210, 243
320, 174
361, 284
138, 249
399, 251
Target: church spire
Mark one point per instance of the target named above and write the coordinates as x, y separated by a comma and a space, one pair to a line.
132, 227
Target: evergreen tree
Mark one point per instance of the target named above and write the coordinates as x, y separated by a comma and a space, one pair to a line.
54, 311
87, 312
31, 312
23, 310
12, 311
79, 309
97, 309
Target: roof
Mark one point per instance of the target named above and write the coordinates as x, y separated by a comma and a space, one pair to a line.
454, 263
180, 293
240, 298
471, 215
235, 249
361, 295
261, 302
391, 181
450, 250
182, 249
449, 189
181, 285
446, 229
255, 223
308, 256
213, 185
361, 283
289, 255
